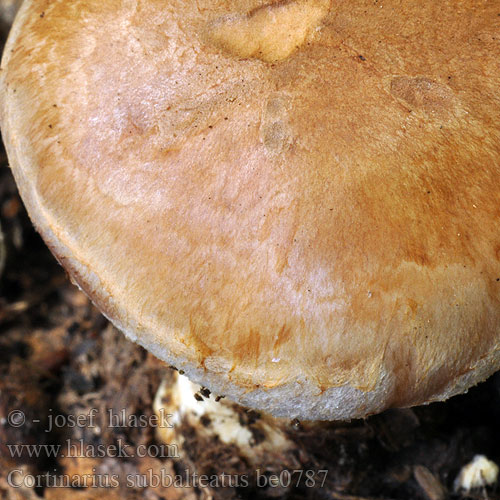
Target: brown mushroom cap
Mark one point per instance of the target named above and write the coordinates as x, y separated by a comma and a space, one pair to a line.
297, 203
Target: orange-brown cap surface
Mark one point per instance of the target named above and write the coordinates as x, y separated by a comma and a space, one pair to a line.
296, 202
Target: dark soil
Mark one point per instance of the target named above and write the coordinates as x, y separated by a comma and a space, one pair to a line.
60, 357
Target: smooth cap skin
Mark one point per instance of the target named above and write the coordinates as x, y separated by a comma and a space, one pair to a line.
297, 203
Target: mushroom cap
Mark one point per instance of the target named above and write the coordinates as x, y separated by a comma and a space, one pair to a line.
295, 202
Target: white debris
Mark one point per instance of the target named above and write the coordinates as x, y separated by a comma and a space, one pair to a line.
224, 420
177, 399
479, 473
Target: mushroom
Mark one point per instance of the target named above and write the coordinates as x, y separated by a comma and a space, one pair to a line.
296, 203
